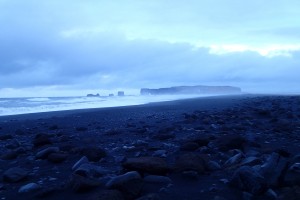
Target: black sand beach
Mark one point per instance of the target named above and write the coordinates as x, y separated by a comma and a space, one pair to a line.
225, 147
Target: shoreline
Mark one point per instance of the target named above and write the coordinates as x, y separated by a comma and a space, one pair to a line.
179, 102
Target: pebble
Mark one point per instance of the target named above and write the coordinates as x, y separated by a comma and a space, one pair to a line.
81, 161
29, 188
122, 179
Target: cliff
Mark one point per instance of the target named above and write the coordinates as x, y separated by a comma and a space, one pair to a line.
200, 89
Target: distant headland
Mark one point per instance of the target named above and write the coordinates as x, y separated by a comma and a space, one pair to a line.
199, 89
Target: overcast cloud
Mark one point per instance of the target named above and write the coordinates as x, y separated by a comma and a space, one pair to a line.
67, 47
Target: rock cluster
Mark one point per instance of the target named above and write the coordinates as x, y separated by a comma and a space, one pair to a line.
244, 152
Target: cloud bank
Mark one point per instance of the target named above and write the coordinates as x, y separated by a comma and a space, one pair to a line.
99, 45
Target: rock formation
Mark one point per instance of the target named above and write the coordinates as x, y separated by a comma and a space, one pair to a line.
200, 89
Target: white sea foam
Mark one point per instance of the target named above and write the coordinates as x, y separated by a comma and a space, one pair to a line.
37, 105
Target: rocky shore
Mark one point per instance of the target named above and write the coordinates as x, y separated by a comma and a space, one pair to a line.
221, 148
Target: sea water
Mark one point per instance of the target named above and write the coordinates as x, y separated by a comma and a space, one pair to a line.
14, 106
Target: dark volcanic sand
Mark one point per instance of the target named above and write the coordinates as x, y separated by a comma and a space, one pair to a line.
228, 147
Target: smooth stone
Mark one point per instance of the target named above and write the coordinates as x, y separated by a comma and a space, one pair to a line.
213, 166
247, 179
292, 176
15, 174
29, 188
160, 153
45, 152
273, 168
122, 179
130, 184
81, 161
90, 170
236, 159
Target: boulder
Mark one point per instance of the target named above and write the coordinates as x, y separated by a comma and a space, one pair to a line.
273, 169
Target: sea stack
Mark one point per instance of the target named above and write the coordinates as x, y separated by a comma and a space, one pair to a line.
121, 93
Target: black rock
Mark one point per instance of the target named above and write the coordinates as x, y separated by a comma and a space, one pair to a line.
151, 165
83, 184
93, 153
247, 179
57, 157
15, 174
5, 136
9, 155
189, 146
273, 169
81, 129
228, 142
41, 140
190, 162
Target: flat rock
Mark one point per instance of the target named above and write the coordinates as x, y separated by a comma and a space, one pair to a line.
151, 165
15, 174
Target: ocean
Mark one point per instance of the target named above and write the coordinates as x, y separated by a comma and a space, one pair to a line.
15, 106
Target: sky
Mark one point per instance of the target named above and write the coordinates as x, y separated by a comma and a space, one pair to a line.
74, 47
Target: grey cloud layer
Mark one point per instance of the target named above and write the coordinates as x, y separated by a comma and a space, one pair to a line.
87, 43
